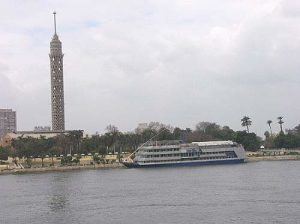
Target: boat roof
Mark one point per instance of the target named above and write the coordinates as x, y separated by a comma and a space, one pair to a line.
163, 143
211, 143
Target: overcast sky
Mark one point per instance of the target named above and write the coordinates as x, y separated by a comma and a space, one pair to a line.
176, 62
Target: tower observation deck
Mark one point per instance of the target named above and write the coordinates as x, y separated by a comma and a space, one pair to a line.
57, 82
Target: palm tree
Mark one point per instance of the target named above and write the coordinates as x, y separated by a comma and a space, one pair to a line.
112, 135
280, 122
74, 137
269, 123
246, 122
55, 151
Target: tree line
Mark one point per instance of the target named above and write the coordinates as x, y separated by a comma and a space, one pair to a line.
288, 139
115, 141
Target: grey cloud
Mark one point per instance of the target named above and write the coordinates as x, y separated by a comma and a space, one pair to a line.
6, 87
177, 62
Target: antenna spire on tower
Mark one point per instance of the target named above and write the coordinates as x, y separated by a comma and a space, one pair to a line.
54, 13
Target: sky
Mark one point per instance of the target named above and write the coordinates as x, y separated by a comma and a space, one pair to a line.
178, 62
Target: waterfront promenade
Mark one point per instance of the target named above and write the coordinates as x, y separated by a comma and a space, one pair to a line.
251, 157
54, 164
61, 168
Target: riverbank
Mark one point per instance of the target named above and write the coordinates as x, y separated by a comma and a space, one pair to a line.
119, 165
272, 158
61, 168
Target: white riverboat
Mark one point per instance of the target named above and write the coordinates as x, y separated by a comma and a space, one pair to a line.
176, 153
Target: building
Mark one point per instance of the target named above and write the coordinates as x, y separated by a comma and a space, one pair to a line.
8, 137
42, 128
57, 82
8, 121
6, 140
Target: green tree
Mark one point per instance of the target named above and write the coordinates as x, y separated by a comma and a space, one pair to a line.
246, 122
249, 140
280, 122
208, 131
226, 133
214, 130
296, 130
4, 153
165, 134
147, 134
177, 133
25, 148
269, 140
288, 140
112, 135
269, 122
54, 151
74, 140
203, 125
62, 141
42, 148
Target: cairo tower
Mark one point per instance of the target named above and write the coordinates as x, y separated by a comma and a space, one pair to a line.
57, 82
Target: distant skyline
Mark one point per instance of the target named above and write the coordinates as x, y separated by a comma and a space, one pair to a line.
175, 62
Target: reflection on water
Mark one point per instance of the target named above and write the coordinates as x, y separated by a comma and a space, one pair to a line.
58, 202
59, 193
246, 193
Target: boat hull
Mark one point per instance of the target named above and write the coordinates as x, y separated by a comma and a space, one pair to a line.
185, 163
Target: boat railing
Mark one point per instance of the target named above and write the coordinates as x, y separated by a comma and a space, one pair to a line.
163, 143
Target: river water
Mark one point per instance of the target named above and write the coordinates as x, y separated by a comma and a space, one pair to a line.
257, 192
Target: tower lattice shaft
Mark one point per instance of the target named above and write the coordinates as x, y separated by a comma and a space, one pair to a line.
57, 82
